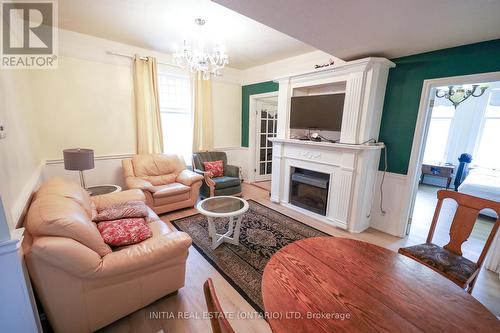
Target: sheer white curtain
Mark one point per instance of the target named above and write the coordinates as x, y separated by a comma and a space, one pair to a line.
149, 132
203, 137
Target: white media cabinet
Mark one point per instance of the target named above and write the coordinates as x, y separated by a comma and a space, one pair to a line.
352, 163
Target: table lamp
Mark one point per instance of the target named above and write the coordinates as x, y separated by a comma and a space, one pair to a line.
79, 159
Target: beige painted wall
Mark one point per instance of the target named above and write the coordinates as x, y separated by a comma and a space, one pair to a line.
20, 154
226, 100
85, 104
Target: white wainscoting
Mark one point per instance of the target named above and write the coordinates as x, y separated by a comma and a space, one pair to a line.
392, 222
108, 170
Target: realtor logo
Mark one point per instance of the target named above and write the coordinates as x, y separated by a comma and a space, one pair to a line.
29, 34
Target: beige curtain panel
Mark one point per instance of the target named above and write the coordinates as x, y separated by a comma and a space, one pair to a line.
149, 133
203, 137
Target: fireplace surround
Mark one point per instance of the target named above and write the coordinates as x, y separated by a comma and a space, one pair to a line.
351, 164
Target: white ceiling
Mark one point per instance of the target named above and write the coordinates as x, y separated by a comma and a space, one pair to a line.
160, 25
351, 29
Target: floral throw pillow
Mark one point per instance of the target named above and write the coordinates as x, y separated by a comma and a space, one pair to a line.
216, 168
124, 231
121, 211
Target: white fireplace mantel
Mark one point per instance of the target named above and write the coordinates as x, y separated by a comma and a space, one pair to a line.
351, 164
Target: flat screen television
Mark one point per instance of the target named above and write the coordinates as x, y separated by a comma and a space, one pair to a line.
321, 112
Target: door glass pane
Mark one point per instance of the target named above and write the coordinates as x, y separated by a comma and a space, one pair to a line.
263, 126
269, 168
269, 126
263, 140
262, 170
269, 154
263, 114
262, 155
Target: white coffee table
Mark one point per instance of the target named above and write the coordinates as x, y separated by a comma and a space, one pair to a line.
224, 206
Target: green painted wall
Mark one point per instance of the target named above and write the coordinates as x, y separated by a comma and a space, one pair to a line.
404, 88
252, 89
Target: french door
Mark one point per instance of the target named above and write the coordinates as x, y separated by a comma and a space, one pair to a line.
267, 118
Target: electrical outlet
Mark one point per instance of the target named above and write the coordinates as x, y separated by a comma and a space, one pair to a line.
3, 133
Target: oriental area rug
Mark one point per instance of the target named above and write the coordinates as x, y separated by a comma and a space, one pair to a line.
263, 232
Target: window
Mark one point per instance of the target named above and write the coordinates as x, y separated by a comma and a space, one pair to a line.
176, 115
439, 130
489, 137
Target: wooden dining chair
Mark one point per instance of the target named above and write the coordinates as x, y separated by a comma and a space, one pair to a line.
448, 260
218, 319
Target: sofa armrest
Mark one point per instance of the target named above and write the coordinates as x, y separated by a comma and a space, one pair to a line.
232, 171
65, 254
156, 250
187, 177
137, 183
105, 200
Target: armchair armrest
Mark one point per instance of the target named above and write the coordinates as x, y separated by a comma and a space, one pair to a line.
156, 250
105, 200
208, 180
232, 171
67, 255
187, 177
139, 183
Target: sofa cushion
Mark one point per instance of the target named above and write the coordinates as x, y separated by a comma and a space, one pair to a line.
169, 190
124, 231
225, 182
147, 165
68, 189
55, 215
456, 267
122, 210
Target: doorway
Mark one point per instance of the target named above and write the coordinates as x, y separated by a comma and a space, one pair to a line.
263, 123
456, 149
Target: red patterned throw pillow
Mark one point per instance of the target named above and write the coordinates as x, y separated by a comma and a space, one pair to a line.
124, 231
216, 168
122, 210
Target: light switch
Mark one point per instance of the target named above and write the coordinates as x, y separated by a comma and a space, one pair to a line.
3, 133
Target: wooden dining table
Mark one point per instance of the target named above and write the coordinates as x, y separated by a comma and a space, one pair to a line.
333, 284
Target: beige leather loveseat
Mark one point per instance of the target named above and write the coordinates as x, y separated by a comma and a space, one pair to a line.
82, 283
164, 179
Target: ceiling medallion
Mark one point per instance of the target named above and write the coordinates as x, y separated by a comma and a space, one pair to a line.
194, 57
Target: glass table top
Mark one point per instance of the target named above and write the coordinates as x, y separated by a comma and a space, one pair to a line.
222, 204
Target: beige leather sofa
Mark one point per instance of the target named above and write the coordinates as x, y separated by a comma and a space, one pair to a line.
164, 179
82, 283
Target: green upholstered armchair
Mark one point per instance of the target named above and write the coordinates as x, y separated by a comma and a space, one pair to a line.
229, 184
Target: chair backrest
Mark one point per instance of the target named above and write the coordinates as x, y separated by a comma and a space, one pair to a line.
208, 156
218, 320
464, 220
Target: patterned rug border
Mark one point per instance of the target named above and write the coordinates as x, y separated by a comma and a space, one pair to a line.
219, 269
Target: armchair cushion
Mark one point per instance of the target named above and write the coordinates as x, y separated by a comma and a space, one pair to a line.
187, 177
216, 168
124, 231
225, 182
169, 190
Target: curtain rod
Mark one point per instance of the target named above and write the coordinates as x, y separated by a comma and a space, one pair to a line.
142, 58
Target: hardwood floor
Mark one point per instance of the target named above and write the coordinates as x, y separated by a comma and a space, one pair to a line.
190, 301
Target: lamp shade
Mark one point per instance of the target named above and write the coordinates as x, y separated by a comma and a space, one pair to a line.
78, 159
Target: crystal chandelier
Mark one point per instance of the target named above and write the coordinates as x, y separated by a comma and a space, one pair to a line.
198, 60
458, 94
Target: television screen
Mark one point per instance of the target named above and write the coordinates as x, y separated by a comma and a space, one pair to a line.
321, 112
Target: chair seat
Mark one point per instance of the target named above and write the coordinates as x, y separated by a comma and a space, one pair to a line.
225, 182
168, 190
455, 267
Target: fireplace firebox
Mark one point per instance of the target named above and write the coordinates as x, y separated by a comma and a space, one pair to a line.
309, 190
